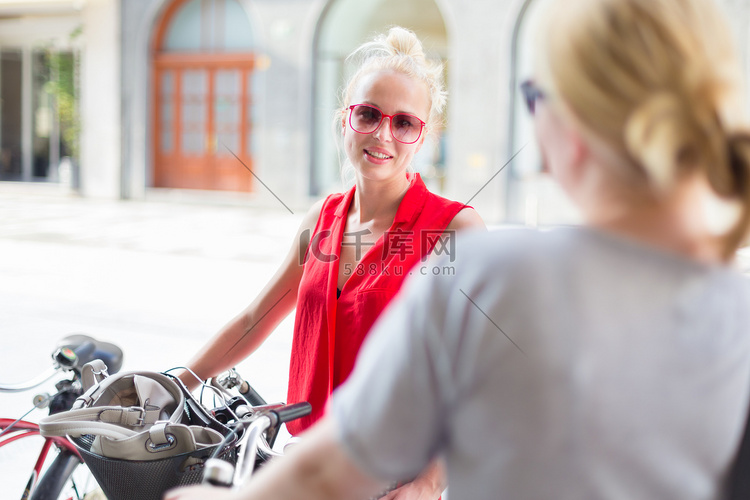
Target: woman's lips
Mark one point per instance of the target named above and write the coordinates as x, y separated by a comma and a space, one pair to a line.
378, 154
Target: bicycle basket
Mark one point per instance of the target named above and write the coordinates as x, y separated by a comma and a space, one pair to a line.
140, 434
146, 480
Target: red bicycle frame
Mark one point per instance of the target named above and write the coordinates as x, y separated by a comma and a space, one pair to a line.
23, 429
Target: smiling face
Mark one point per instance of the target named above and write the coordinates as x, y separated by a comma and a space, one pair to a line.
378, 156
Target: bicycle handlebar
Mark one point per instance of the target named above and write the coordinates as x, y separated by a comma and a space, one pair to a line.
289, 412
220, 473
246, 459
260, 423
252, 397
30, 384
71, 354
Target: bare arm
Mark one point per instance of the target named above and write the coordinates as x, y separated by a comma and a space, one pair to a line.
318, 468
427, 486
246, 332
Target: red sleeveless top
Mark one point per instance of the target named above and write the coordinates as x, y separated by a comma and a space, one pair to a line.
328, 332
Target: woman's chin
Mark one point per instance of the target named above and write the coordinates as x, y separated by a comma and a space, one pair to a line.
379, 173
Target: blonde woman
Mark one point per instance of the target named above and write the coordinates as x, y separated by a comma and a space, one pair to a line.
354, 249
600, 362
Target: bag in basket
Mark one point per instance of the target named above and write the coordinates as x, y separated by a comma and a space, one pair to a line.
140, 433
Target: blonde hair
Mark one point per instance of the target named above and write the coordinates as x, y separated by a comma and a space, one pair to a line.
656, 82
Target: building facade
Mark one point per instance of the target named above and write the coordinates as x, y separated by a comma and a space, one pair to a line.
239, 96
283, 102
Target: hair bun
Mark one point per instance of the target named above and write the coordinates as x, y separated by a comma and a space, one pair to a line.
664, 135
398, 42
404, 42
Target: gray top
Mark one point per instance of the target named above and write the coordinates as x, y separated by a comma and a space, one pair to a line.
568, 364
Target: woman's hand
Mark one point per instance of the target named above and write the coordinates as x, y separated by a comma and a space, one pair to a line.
419, 489
200, 493
427, 486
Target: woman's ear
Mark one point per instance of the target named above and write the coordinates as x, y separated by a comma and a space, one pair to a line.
579, 150
564, 149
575, 153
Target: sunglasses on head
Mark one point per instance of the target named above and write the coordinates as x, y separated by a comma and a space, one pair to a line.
366, 119
531, 94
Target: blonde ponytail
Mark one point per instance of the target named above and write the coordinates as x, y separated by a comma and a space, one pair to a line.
658, 84
738, 146
669, 135
658, 135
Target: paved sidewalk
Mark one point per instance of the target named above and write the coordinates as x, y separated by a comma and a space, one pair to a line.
156, 278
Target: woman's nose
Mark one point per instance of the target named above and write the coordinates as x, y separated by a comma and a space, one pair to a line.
383, 132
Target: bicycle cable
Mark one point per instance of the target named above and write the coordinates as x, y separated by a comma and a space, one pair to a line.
227, 439
16, 421
203, 386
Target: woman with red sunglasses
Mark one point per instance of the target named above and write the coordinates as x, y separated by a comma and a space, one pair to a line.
354, 249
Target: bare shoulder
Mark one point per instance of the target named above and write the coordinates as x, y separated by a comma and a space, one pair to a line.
308, 226
468, 218
312, 215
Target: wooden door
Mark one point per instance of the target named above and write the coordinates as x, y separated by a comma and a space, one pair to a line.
202, 121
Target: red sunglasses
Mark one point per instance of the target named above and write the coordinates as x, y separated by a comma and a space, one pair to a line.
366, 119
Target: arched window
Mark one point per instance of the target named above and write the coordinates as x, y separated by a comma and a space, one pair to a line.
203, 62
344, 25
209, 26
532, 197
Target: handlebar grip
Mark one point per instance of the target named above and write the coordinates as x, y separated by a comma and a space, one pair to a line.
252, 397
292, 412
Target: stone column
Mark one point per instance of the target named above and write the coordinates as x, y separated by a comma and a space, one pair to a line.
100, 100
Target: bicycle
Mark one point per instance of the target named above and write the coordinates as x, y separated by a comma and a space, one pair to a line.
58, 479
255, 423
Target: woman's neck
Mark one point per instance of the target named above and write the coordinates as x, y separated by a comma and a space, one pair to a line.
675, 223
378, 199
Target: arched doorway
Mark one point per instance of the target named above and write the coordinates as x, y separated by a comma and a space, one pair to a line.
202, 62
344, 25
